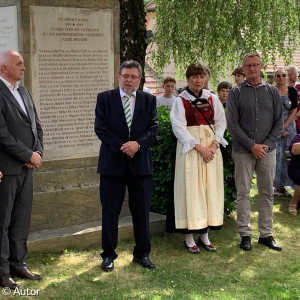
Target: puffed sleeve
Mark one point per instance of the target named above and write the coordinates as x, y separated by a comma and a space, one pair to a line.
219, 120
178, 121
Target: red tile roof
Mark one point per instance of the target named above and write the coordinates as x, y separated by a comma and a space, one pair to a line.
152, 81
280, 63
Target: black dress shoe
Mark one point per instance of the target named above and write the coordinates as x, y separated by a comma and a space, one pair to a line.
107, 264
7, 282
145, 262
269, 242
193, 250
209, 247
24, 273
246, 243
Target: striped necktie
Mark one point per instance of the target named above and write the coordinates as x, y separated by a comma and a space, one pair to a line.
127, 110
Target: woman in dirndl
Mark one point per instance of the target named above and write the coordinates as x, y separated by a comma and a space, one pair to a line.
198, 122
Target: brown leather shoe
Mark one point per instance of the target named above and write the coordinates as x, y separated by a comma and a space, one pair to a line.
8, 282
24, 273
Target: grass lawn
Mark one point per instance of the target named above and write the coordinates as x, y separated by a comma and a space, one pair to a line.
230, 273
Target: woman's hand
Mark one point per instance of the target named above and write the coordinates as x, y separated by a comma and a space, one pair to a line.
205, 152
213, 147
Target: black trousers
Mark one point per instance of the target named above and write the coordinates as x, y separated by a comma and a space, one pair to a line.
112, 194
15, 211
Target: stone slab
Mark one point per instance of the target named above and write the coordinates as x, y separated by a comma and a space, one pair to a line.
86, 235
72, 54
66, 193
8, 28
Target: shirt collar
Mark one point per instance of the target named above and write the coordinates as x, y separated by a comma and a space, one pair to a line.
9, 85
245, 83
122, 94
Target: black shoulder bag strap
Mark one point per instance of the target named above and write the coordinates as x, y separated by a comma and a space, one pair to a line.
202, 100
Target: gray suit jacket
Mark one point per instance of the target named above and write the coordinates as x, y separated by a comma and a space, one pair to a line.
20, 134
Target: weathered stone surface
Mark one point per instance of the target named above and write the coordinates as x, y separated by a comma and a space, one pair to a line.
85, 235
72, 52
8, 28
66, 193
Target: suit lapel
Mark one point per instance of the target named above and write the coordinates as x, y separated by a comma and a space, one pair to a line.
27, 102
6, 92
137, 106
118, 103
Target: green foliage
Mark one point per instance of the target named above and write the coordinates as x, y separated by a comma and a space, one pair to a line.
164, 152
220, 32
229, 184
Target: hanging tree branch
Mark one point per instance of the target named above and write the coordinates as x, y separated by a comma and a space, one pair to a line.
220, 32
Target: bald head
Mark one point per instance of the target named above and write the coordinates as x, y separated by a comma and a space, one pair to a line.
6, 55
11, 66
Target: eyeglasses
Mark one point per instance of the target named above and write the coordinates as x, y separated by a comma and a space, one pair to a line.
280, 75
253, 65
126, 76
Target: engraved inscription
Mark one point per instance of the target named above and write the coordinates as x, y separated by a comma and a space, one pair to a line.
8, 28
68, 76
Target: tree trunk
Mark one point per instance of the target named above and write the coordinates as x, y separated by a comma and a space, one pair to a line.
133, 41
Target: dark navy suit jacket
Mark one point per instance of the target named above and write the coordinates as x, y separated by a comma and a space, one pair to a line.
112, 130
20, 134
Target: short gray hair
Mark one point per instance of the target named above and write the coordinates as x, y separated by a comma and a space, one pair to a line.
6, 55
290, 68
131, 64
251, 54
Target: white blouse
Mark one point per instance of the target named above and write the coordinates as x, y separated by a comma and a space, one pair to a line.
179, 123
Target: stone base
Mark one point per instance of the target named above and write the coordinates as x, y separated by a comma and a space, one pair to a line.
86, 234
66, 193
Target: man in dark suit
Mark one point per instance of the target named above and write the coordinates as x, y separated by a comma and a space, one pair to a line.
21, 149
126, 124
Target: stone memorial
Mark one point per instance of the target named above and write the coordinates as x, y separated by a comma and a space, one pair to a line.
71, 50
72, 54
8, 28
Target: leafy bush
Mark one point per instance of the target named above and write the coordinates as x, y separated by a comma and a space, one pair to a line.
164, 153
228, 167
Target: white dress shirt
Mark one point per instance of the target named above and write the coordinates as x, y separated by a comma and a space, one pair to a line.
15, 92
131, 99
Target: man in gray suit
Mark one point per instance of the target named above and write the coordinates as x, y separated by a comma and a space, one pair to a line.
21, 149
